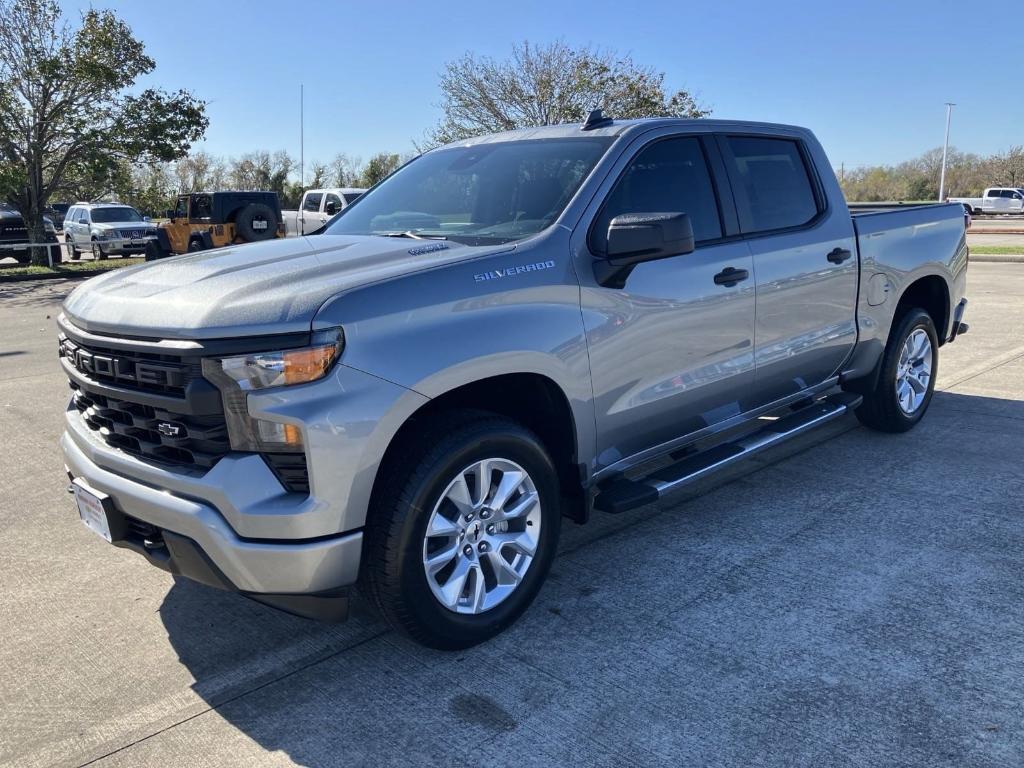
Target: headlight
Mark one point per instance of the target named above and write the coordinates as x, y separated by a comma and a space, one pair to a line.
237, 376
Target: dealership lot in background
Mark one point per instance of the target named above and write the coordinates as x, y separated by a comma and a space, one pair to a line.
858, 603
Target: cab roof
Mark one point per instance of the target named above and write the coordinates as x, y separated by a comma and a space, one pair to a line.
616, 128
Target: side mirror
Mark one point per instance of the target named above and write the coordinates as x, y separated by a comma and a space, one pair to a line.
634, 238
146, 218
169, 214
331, 208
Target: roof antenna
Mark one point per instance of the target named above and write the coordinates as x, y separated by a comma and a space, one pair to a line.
596, 119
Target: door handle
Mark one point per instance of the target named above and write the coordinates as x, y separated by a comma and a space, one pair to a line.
838, 255
730, 276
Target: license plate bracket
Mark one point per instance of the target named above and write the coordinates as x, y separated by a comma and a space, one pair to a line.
92, 509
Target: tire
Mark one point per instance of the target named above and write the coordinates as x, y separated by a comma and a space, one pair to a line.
153, 251
249, 217
195, 244
416, 488
884, 409
97, 251
74, 252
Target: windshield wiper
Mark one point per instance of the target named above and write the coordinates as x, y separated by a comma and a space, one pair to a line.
411, 234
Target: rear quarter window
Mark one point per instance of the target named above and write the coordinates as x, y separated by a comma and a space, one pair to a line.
773, 186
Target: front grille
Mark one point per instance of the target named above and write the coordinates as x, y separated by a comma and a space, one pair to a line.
154, 433
290, 469
145, 371
158, 407
13, 232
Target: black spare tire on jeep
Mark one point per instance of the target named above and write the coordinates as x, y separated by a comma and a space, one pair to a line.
256, 221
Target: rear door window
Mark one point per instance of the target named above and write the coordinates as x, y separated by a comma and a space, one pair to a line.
668, 176
771, 182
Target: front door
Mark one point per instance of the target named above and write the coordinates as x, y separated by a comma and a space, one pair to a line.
671, 351
805, 259
310, 214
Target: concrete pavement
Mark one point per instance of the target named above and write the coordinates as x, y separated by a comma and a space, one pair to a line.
854, 599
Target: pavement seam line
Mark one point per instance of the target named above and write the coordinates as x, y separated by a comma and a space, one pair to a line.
238, 696
972, 373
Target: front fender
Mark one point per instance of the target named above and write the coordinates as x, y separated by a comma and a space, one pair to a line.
438, 330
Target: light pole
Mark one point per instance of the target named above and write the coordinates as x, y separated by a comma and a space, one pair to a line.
302, 138
945, 150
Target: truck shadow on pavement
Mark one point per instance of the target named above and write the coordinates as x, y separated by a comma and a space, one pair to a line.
857, 600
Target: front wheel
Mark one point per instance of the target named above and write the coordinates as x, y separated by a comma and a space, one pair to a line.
97, 251
906, 383
463, 531
75, 253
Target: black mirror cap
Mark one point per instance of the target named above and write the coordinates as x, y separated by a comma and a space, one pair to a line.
634, 238
330, 209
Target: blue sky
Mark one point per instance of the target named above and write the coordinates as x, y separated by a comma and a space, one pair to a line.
869, 78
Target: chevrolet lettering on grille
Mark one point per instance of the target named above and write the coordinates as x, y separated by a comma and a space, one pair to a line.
125, 369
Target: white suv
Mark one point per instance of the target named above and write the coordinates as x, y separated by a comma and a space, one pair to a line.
106, 229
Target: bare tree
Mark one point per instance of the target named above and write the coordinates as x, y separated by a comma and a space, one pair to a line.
550, 84
65, 109
1007, 169
319, 179
345, 170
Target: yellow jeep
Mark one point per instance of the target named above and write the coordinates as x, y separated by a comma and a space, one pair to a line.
203, 220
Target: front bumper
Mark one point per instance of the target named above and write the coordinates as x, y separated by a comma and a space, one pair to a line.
234, 526
202, 546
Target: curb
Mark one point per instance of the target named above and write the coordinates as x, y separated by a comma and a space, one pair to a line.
32, 278
994, 258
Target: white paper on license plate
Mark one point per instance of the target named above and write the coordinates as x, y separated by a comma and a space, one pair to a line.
259, 225
90, 507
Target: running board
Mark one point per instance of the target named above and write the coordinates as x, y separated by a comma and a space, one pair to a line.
624, 494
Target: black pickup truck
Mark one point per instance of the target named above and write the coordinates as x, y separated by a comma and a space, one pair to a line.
14, 236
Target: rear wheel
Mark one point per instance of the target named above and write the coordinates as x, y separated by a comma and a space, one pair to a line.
907, 378
195, 244
463, 531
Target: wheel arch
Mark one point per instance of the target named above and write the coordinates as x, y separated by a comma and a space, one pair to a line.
531, 399
930, 293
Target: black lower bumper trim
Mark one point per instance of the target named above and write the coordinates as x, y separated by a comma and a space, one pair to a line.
182, 556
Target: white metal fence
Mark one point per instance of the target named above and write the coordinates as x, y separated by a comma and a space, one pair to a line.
112, 243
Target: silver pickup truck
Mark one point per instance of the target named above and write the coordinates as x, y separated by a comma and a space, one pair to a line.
507, 331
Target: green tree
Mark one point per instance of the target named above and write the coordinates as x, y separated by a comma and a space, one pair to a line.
378, 167
65, 109
547, 85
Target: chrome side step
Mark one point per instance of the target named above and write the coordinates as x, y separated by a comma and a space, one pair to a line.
623, 495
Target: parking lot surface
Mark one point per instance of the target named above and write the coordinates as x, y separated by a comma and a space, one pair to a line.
852, 599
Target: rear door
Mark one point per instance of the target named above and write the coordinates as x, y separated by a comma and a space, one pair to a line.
671, 350
805, 263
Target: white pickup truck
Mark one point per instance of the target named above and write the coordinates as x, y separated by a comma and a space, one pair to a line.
317, 208
995, 200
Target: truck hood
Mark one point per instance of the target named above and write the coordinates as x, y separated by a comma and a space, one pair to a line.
108, 225
257, 289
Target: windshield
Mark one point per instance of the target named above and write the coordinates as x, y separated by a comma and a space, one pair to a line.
107, 215
479, 195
